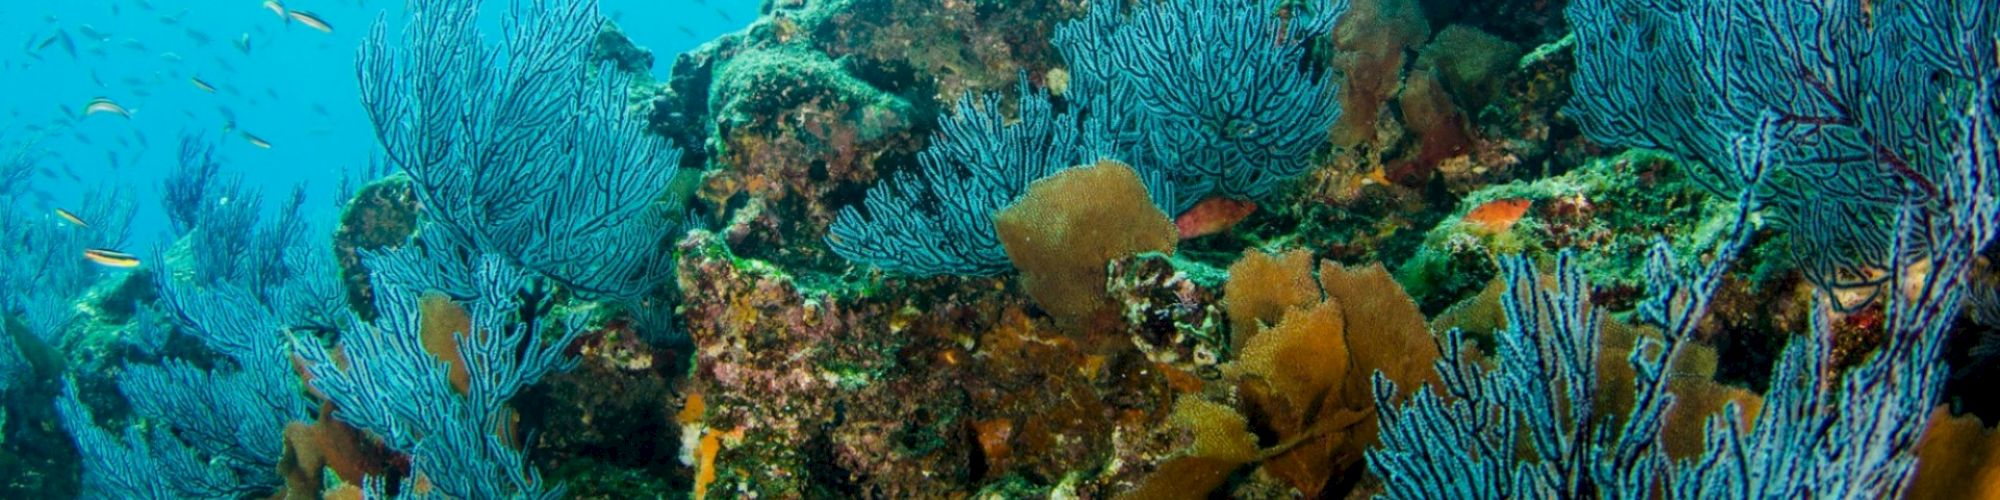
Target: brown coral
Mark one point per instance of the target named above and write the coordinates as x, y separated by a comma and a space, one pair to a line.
1958, 458
1371, 41
329, 445
1262, 287
383, 214
1070, 225
1303, 377
443, 321
1691, 379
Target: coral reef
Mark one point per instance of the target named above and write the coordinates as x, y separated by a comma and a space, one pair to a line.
1611, 210
805, 107
1065, 249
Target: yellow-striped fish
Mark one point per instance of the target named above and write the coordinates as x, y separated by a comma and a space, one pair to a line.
71, 218
111, 258
257, 141
204, 86
311, 21
104, 105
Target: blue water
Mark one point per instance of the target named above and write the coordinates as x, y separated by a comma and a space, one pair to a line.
294, 87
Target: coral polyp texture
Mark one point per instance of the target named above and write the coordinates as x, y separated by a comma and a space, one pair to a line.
1314, 249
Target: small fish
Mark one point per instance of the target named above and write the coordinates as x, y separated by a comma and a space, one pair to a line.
51, 40
111, 258
134, 44
256, 141
69, 172
1213, 215
1497, 216
93, 33
685, 31
199, 38
276, 8
171, 57
312, 21
68, 44
71, 218
320, 109
105, 105
204, 86
724, 15
243, 43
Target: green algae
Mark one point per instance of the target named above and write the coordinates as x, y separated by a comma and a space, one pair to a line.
764, 82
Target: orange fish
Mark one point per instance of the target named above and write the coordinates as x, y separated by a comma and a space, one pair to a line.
1497, 216
1213, 215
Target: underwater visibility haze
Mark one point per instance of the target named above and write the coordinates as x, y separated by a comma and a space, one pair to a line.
1143, 249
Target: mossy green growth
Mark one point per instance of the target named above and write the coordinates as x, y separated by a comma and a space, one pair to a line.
764, 82
1011, 486
1611, 210
588, 478
1201, 273
812, 15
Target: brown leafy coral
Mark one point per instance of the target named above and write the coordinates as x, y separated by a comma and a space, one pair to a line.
1306, 353
1069, 226
1958, 458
